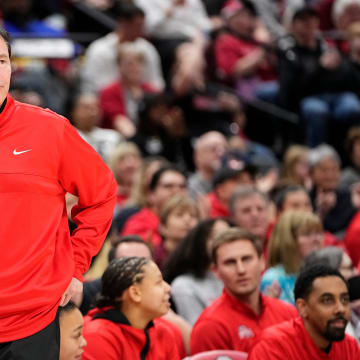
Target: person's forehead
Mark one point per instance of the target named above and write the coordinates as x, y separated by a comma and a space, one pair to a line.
132, 249
328, 284
236, 248
251, 200
3, 48
172, 176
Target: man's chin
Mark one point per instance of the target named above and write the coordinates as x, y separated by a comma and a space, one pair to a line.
335, 334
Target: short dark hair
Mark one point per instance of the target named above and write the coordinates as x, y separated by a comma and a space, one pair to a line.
231, 235
69, 307
305, 13
281, 194
157, 175
249, 6
126, 240
304, 282
6, 37
127, 11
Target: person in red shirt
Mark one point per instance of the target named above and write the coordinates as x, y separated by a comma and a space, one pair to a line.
236, 319
41, 265
165, 183
322, 297
124, 325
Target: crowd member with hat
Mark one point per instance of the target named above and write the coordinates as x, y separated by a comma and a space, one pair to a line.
234, 173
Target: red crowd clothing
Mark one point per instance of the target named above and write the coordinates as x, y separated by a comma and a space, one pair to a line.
144, 223
229, 49
110, 336
112, 101
231, 324
291, 341
217, 208
42, 158
352, 239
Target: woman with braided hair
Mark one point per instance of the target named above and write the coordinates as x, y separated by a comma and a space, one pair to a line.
121, 326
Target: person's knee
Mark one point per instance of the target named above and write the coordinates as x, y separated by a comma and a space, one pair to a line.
347, 107
315, 111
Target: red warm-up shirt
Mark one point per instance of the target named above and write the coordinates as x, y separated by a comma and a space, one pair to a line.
217, 207
291, 341
232, 325
110, 336
42, 158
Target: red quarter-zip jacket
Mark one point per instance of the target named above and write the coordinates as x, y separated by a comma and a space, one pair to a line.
291, 341
110, 336
42, 158
230, 324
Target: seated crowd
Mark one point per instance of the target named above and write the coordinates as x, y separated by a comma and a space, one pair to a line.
236, 227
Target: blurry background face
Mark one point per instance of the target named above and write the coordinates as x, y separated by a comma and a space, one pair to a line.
252, 214
325, 174
312, 240
297, 200
134, 28
243, 22
86, 112
72, 341
132, 68
218, 227
127, 166
179, 222
306, 31
355, 156
347, 268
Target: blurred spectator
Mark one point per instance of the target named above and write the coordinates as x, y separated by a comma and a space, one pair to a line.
85, 115
238, 57
296, 166
209, 148
193, 284
335, 206
345, 13
292, 197
351, 174
237, 261
125, 161
274, 14
320, 75
120, 100
72, 341
178, 216
249, 210
296, 234
338, 259
20, 19
225, 181
162, 130
178, 29
101, 68
140, 192
165, 183
133, 296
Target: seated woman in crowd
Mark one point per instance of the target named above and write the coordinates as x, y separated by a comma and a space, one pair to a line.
124, 324
120, 100
72, 342
194, 286
338, 259
296, 234
179, 215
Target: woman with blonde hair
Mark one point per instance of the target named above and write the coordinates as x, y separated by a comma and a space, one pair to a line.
296, 234
296, 168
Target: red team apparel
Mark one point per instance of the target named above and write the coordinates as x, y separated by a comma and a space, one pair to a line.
42, 158
291, 341
232, 325
110, 336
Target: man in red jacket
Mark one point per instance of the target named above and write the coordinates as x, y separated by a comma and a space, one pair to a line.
41, 265
236, 319
322, 297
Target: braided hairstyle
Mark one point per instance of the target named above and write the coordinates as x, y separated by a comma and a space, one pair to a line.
119, 276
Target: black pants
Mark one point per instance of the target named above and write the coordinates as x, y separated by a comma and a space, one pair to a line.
44, 345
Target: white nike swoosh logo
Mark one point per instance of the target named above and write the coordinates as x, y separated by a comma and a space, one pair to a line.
20, 152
